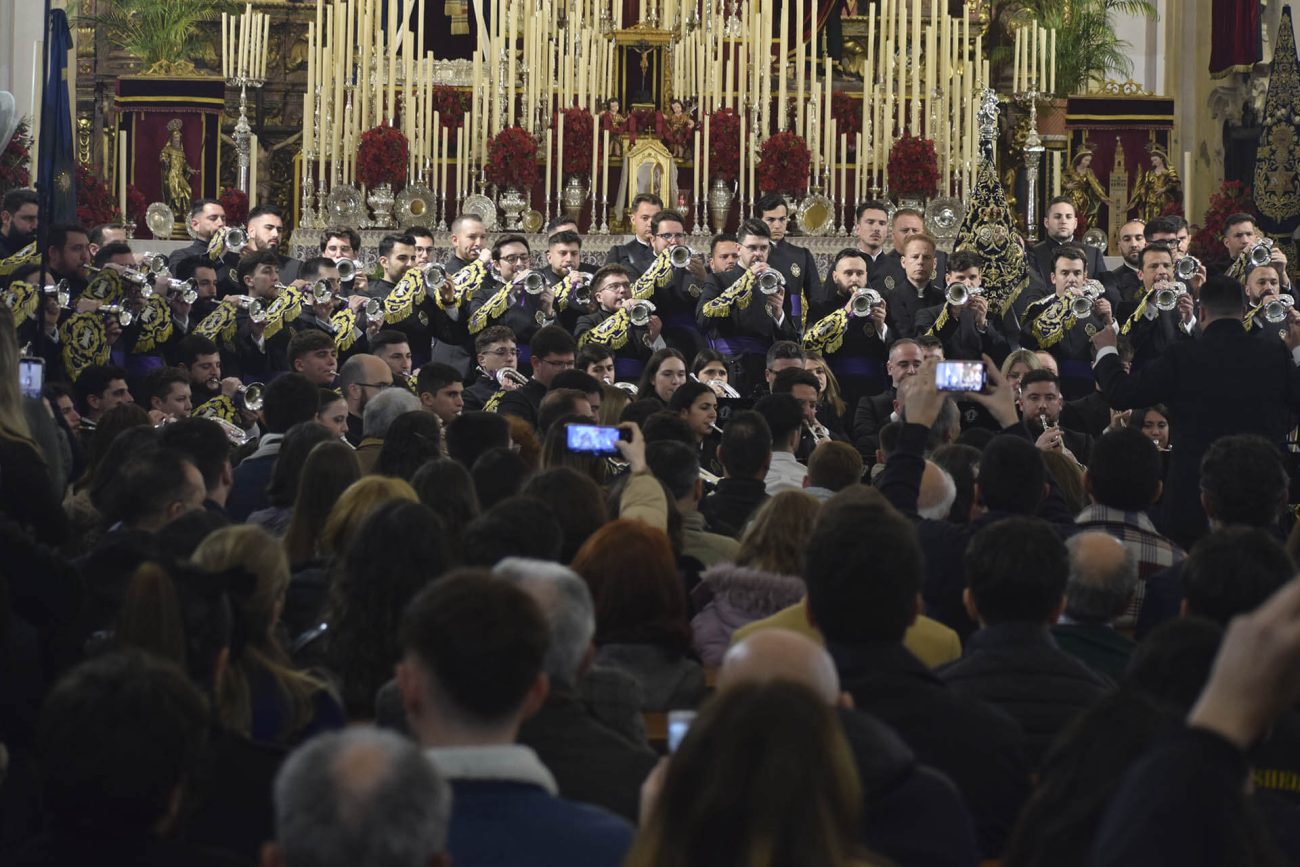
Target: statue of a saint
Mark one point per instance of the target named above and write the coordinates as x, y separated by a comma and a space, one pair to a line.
1156, 188
616, 122
1082, 186
176, 172
679, 127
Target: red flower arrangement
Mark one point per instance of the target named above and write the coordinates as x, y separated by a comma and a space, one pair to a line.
451, 105
1207, 242
645, 120
913, 167
235, 203
847, 111
382, 156
512, 159
783, 164
724, 144
577, 140
95, 201
136, 205
16, 158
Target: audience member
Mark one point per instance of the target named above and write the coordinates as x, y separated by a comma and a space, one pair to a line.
1102, 579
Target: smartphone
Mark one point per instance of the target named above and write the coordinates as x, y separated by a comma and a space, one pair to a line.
31, 376
679, 722
960, 376
590, 439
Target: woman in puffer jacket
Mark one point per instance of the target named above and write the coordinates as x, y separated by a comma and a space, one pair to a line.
765, 578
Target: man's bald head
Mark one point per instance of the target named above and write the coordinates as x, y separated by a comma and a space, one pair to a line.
938, 492
779, 654
1103, 575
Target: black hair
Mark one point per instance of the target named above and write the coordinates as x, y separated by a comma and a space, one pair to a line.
203, 442
770, 202
470, 434
354, 238
666, 426
575, 500
551, 340
1222, 295
307, 341
263, 211
197, 206
492, 334
1165, 224
753, 228
870, 205
578, 379
289, 399
675, 464
644, 199
721, 238
445, 486
1012, 475
1124, 469
94, 380
434, 377
297, 444
1233, 571
1154, 247
18, 197
418, 232
498, 473
1172, 663
746, 446
785, 380
514, 527
1244, 480
1239, 217
253, 260
591, 354
1016, 569
388, 242
686, 394
783, 349
1040, 374
58, 234
964, 260
566, 237
109, 250
310, 268
192, 346
665, 217
500, 243
783, 415
146, 484
159, 382
1071, 252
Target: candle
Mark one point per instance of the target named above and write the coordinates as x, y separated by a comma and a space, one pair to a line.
916, 67
546, 148
604, 173
696, 166
559, 156
1051, 80
782, 54
121, 173
393, 42
442, 182
704, 179
252, 171
510, 64
844, 165
1187, 185
798, 67
595, 160
1056, 173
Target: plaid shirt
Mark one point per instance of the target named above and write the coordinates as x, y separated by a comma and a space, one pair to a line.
1153, 552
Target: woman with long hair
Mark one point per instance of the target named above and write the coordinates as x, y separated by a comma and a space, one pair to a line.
641, 614
698, 405
262, 696
1017, 364
664, 373
329, 469
298, 442
445, 486
832, 411
413, 439
763, 778
556, 452
765, 578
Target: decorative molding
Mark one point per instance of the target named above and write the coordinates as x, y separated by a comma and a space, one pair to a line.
1110, 87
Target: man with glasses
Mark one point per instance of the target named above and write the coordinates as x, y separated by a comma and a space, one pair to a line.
611, 325
552, 351
637, 254
795, 263
362, 377
495, 347
675, 302
503, 299
740, 319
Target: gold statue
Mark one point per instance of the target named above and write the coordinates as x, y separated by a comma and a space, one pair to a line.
1157, 187
176, 172
1082, 186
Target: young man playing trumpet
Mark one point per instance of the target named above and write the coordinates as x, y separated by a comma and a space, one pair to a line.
963, 322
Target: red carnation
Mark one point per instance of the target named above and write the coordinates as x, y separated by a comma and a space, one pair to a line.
914, 167
724, 144
512, 159
382, 156
783, 164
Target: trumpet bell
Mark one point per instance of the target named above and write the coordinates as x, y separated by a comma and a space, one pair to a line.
865, 299
435, 274
509, 374
374, 309
154, 263
252, 396
1081, 307
1166, 298
582, 295
629, 387
185, 288
640, 313
257, 310
347, 270
534, 283
1261, 253
236, 239
1187, 267
957, 294
321, 293
680, 256
770, 282
1278, 310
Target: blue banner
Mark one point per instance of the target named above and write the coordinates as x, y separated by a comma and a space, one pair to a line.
56, 177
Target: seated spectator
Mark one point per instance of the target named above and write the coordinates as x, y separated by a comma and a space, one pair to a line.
592, 762
83, 505
677, 466
205, 444
380, 413
1233, 571
832, 467
912, 814
471, 672
473, 433
498, 474
785, 420
745, 454
262, 696
413, 439
641, 620
515, 527
1016, 574
1103, 574
961, 463
298, 442
445, 486
863, 570
764, 578
937, 493
359, 796
575, 500
1068, 475
330, 468
289, 399
524, 442
562, 402
1123, 482
556, 451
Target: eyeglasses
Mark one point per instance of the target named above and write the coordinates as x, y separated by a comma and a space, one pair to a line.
516, 259
376, 385
671, 236
502, 352
564, 363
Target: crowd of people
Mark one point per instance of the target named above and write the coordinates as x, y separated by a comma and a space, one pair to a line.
693, 558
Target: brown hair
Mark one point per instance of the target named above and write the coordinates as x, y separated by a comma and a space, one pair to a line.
777, 536
355, 505
331, 467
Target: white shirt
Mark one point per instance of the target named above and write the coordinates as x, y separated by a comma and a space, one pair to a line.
785, 474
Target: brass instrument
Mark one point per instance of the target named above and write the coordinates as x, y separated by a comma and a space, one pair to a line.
818, 432
1187, 267
374, 310
250, 397
435, 274
124, 316
639, 312
1081, 305
864, 300
1278, 310
185, 288
716, 384
959, 294
321, 292
680, 255
770, 282
630, 388
534, 283
62, 292
348, 269
255, 307
509, 374
1261, 253
1166, 297
235, 239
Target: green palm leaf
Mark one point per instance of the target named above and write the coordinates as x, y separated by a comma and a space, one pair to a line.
154, 30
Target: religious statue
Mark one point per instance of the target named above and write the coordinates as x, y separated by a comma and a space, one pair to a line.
1156, 188
1083, 188
617, 123
176, 172
679, 127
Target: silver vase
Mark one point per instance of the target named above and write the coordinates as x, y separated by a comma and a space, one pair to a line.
514, 204
720, 196
575, 194
381, 205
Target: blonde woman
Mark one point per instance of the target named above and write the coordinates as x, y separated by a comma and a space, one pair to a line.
1017, 364
262, 696
832, 411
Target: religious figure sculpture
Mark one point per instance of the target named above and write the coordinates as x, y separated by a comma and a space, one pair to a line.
1156, 188
617, 123
176, 172
679, 127
1083, 188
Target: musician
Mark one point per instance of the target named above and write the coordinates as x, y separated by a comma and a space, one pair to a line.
1124, 280
494, 349
1150, 329
966, 330
637, 254
890, 272
804, 386
870, 227
312, 353
1060, 222
441, 391
467, 237
252, 353
552, 351
340, 243
795, 263
499, 295
742, 321
1263, 284
207, 217
917, 290
724, 251
396, 257
265, 230
1050, 325
392, 347
615, 327
564, 258
1240, 235
855, 347
1040, 413
68, 252
19, 218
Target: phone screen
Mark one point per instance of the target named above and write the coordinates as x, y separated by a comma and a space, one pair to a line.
960, 376
31, 376
590, 439
679, 722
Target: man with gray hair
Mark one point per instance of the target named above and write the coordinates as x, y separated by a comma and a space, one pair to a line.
380, 413
591, 761
1103, 576
359, 796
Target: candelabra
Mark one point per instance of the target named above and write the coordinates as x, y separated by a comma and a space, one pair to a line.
349, 145
1033, 158
307, 219
322, 192
243, 130
442, 210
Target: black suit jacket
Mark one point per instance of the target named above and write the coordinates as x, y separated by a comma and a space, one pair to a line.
886, 273
960, 339
1123, 280
904, 304
802, 280
1227, 382
872, 413
1040, 258
634, 256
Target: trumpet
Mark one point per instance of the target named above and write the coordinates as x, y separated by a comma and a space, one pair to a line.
154, 263
256, 309
959, 294
130, 275
639, 313
235, 239
818, 432
1166, 297
719, 384
1261, 253
864, 300
348, 269
250, 397
124, 316
374, 310
629, 387
534, 283
582, 293
770, 282
185, 288
321, 292
62, 292
1278, 310
679, 256
435, 274
1081, 305
509, 374
1187, 267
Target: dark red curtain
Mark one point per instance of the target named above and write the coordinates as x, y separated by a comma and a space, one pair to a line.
1234, 38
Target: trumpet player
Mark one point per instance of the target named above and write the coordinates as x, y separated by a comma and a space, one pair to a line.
1240, 236
795, 263
962, 322
1152, 329
168, 391
1040, 411
396, 257
68, 251
675, 300
854, 344
618, 323
563, 259
1050, 323
206, 218
511, 294
495, 349
467, 237
1264, 285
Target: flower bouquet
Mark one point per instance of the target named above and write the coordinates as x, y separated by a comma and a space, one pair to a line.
783, 164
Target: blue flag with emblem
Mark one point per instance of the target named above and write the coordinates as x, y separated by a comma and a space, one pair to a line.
56, 168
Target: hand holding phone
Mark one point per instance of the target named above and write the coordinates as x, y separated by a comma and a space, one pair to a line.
960, 376
590, 439
31, 376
